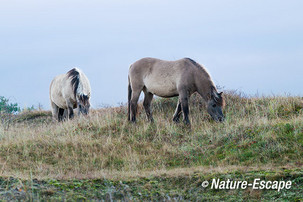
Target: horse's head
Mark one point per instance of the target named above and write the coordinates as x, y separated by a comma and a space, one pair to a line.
83, 104
215, 106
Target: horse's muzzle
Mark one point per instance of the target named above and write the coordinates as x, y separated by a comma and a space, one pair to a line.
221, 119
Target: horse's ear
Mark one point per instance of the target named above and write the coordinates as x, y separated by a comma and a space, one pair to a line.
221, 93
214, 94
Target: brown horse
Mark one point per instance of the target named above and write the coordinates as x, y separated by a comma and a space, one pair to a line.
69, 91
168, 79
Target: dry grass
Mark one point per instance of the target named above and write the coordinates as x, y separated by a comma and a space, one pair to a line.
258, 133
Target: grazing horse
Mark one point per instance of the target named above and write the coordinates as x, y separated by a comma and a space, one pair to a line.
169, 79
69, 91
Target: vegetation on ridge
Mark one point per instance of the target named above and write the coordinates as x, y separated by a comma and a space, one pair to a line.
258, 132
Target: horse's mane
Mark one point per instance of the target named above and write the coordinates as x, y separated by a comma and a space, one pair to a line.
74, 76
220, 100
197, 65
200, 67
194, 63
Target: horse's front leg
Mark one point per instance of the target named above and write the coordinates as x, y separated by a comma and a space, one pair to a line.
146, 103
184, 105
70, 113
70, 110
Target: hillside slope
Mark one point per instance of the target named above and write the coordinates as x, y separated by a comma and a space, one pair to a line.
259, 134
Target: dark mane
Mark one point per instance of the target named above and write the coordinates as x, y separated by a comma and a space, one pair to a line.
84, 99
194, 62
74, 76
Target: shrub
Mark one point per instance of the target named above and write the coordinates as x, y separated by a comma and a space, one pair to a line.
7, 112
6, 107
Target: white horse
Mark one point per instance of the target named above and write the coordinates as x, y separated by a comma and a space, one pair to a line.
69, 91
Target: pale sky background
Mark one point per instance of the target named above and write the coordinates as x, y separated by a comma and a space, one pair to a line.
253, 46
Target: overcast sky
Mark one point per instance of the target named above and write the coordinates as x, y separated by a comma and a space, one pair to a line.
251, 46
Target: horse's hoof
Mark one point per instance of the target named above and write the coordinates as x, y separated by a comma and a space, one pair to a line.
187, 123
176, 120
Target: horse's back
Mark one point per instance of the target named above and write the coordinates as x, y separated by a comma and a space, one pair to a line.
160, 77
58, 90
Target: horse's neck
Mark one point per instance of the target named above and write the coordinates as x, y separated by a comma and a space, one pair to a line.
204, 88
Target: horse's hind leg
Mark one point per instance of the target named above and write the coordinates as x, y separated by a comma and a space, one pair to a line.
146, 103
55, 111
60, 114
133, 104
177, 112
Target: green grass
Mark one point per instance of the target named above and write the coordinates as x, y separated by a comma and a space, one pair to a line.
264, 133
154, 188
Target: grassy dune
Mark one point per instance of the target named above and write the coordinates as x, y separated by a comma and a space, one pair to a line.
259, 135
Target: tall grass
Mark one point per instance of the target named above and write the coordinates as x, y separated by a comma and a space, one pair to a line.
257, 132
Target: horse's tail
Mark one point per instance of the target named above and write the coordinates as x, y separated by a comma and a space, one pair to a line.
129, 98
